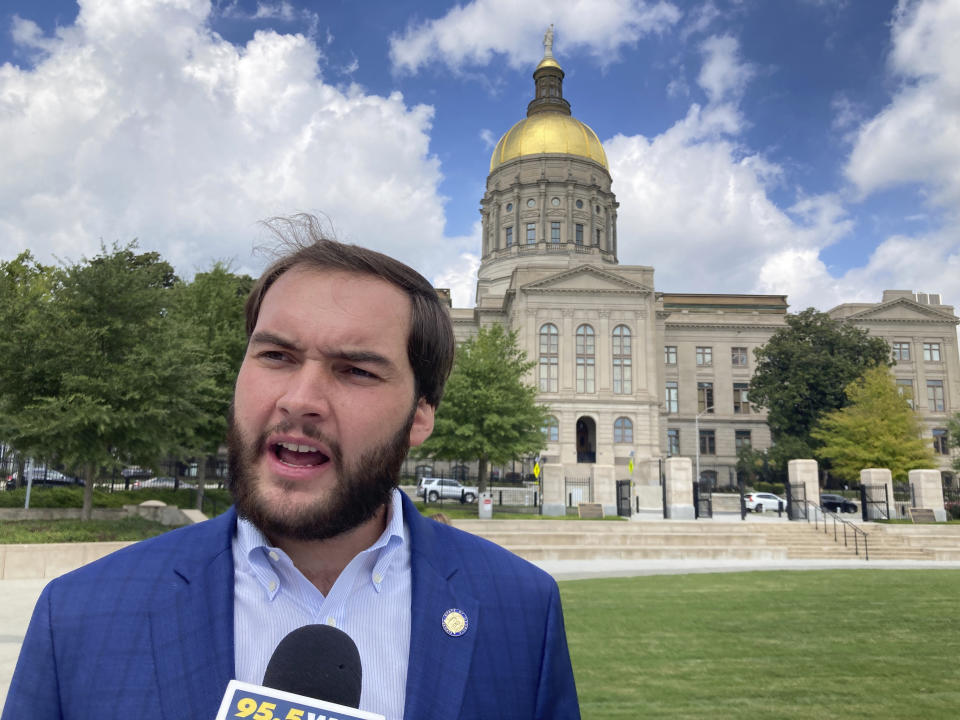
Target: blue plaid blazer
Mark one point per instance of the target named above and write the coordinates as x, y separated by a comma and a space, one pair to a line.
147, 633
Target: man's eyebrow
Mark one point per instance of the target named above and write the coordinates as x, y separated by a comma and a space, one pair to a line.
268, 338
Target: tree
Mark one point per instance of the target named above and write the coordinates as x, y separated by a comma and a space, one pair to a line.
953, 439
100, 378
802, 373
211, 311
488, 413
878, 429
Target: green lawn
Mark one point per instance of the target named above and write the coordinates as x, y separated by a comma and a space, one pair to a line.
60, 531
804, 645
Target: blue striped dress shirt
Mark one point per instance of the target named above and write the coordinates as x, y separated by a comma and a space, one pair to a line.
370, 601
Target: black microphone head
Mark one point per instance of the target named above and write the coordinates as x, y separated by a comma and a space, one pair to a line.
318, 661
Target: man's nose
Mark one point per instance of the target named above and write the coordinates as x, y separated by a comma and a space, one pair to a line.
307, 392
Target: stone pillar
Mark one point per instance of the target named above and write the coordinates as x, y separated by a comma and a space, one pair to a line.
879, 476
804, 472
679, 481
551, 484
605, 488
928, 492
647, 494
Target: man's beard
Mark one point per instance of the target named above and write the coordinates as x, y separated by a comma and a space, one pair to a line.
362, 488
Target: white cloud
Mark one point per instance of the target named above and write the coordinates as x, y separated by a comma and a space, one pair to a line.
916, 139
472, 33
461, 276
141, 122
723, 75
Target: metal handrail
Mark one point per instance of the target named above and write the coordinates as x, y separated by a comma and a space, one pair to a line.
856, 532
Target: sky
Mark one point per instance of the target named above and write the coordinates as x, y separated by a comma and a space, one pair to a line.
801, 147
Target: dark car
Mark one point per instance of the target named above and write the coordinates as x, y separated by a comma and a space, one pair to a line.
837, 503
46, 476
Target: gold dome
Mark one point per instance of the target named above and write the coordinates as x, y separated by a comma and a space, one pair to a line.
549, 133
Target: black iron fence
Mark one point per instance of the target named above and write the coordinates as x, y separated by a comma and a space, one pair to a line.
797, 503
577, 490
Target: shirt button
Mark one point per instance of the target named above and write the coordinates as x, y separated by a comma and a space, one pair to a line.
377, 578
274, 556
273, 585
331, 621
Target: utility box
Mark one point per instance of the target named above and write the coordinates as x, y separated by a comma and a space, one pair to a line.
486, 506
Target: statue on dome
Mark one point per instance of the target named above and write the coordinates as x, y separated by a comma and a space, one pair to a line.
548, 42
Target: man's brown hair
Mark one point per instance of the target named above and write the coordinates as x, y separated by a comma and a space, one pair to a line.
430, 344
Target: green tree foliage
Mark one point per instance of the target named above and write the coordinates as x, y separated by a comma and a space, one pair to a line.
878, 429
94, 372
488, 412
953, 439
211, 310
802, 373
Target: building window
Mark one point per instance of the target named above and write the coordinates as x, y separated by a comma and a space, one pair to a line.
586, 359
555, 232
741, 439
622, 360
509, 207
670, 354
740, 404
551, 429
708, 442
905, 388
931, 352
598, 236
672, 398
579, 229
705, 397
738, 356
940, 442
509, 236
901, 351
704, 356
623, 430
531, 233
935, 395
549, 358
531, 203
579, 204
673, 441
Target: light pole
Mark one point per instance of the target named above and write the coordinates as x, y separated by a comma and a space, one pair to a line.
696, 432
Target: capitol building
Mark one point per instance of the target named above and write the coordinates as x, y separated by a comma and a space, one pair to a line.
630, 373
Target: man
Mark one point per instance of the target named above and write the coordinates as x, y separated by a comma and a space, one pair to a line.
347, 357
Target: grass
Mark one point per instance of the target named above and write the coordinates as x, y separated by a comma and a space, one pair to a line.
72, 497
60, 531
456, 511
794, 645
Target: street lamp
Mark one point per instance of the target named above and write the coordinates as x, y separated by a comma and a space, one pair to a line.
696, 432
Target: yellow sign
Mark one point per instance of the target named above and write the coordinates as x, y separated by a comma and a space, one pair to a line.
536, 470
630, 466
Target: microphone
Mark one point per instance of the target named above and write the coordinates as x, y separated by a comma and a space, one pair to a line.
314, 674
317, 661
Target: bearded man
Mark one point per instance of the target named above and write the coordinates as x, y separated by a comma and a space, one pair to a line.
348, 352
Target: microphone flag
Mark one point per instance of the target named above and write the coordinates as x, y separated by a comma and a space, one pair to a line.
245, 701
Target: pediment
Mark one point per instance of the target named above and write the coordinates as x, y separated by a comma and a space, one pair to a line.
902, 310
586, 279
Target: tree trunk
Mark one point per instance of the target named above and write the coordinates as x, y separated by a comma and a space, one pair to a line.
201, 480
88, 475
482, 467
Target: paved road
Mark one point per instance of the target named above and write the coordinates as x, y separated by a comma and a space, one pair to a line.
17, 597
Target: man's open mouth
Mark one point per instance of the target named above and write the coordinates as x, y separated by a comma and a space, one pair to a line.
298, 455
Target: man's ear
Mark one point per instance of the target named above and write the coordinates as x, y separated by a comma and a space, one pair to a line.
422, 422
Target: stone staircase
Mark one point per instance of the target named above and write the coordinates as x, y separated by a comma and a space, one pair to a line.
706, 540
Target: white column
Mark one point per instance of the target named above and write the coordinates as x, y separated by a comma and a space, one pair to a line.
679, 471
928, 492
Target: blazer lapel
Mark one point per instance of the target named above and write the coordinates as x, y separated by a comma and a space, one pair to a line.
439, 665
191, 626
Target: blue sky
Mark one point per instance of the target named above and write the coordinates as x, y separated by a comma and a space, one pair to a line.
803, 147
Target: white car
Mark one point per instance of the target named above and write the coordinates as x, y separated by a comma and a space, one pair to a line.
758, 502
432, 489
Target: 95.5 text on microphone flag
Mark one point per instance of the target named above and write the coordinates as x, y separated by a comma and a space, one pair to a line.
255, 702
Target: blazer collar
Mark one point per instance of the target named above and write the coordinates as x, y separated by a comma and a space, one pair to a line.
439, 664
191, 623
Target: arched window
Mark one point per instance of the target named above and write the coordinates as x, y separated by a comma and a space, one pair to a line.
549, 357
623, 430
586, 359
622, 360
551, 429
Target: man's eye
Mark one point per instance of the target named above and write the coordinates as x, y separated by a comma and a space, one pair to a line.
360, 372
274, 355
